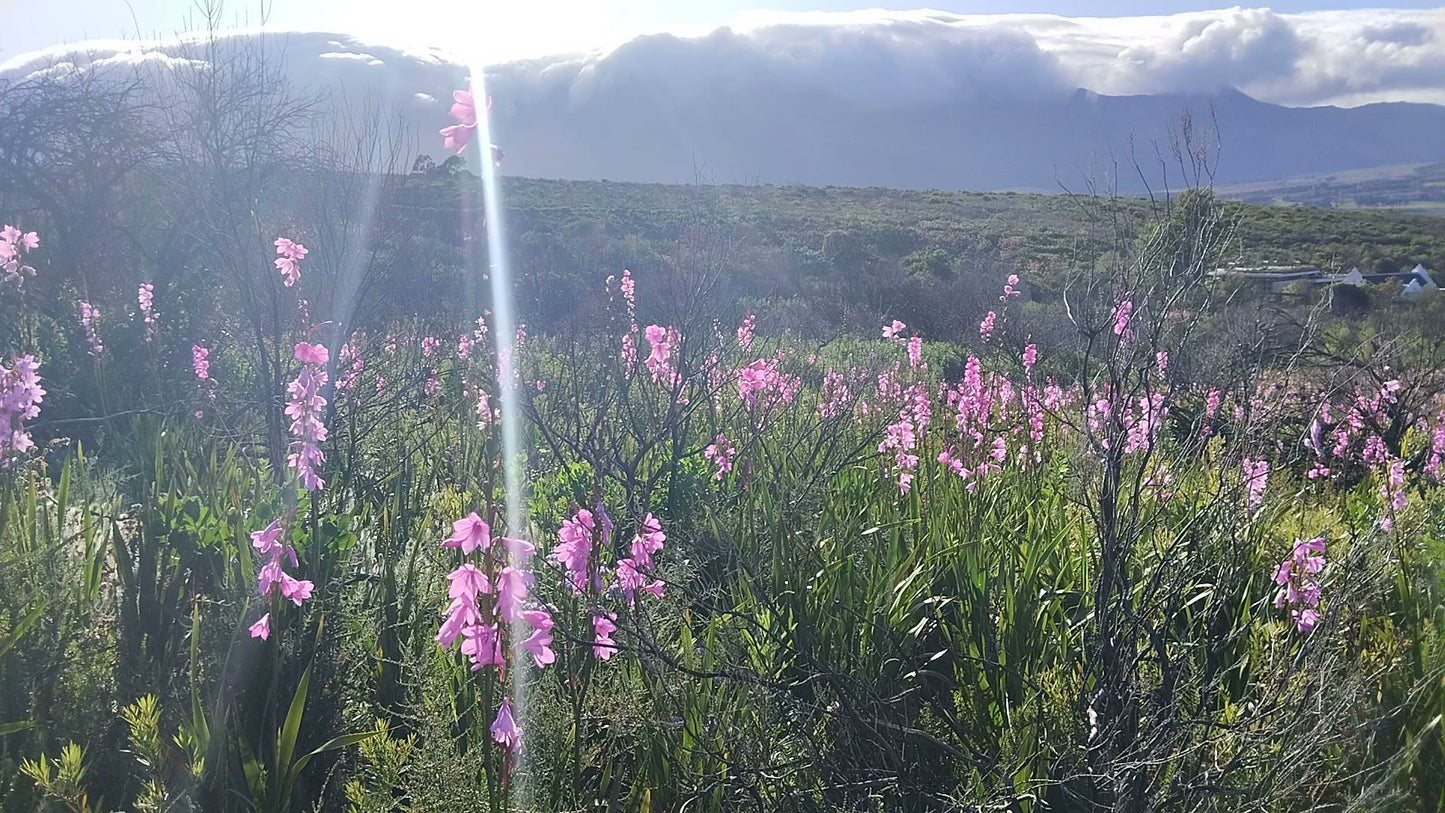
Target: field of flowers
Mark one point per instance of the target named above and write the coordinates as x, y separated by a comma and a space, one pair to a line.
661, 562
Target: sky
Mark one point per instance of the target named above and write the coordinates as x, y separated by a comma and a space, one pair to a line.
498, 30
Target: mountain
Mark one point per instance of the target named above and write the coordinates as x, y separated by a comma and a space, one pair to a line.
755, 134
984, 115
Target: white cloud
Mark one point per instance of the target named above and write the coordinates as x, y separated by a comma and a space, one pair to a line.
891, 58
367, 59
1334, 57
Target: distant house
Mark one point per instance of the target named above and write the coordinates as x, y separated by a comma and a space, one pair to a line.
1354, 277
1421, 282
1283, 278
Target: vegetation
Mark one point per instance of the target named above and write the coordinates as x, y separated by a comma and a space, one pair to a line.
835, 499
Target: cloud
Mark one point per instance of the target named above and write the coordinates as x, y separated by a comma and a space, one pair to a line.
897, 62
885, 60
366, 59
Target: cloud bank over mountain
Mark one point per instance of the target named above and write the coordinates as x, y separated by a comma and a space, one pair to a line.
918, 98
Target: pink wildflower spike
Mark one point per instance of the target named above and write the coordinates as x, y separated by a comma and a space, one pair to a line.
649, 540
90, 321
470, 533
985, 328
305, 408
200, 361
289, 263
539, 643
505, 731
745, 332
1299, 583
721, 453
20, 397
1256, 479
659, 360
603, 646
262, 628
575, 547
1123, 311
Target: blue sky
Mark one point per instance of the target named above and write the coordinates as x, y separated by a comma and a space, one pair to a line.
506, 30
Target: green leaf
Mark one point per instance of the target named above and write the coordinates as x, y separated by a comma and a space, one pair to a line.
6, 729
291, 729
333, 744
18, 631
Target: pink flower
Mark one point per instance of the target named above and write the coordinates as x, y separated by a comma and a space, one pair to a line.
467, 581
298, 590
464, 110
90, 320
455, 137
13, 244
462, 614
892, 331
145, 297
629, 291
659, 360
575, 547
305, 408
632, 581
470, 533
1122, 313
311, 353
262, 628
603, 646
649, 540
985, 328
483, 644
265, 540
271, 574
511, 590
745, 333
20, 397
289, 263
200, 361
1031, 357
720, 452
1299, 583
915, 351
505, 731
1256, 478
521, 549
539, 643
